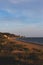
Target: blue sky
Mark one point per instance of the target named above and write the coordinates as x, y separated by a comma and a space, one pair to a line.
22, 17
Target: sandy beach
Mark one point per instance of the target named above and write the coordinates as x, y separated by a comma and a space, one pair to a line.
13, 51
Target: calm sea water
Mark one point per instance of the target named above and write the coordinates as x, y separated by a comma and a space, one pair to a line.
38, 40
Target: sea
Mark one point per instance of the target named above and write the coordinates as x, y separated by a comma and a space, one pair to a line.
36, 40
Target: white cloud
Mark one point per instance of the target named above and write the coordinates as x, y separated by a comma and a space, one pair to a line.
21, 1
17, 1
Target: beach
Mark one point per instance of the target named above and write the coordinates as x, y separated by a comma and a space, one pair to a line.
13, 51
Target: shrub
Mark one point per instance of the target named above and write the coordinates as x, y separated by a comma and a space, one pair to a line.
26, 49
33, 56
18, 46
37, 50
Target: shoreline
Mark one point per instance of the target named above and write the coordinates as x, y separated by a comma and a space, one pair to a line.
30, 42
30, 45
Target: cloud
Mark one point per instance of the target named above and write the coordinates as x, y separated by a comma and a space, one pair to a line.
17, 1
31, 11
23, 17
22, 1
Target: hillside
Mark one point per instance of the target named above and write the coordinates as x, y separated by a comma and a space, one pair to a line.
15, 52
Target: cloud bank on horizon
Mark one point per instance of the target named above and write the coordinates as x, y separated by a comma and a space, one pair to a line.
24, 17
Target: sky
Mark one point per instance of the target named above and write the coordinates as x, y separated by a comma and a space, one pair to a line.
22, 17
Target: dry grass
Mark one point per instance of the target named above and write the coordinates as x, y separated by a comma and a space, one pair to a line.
20, 53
